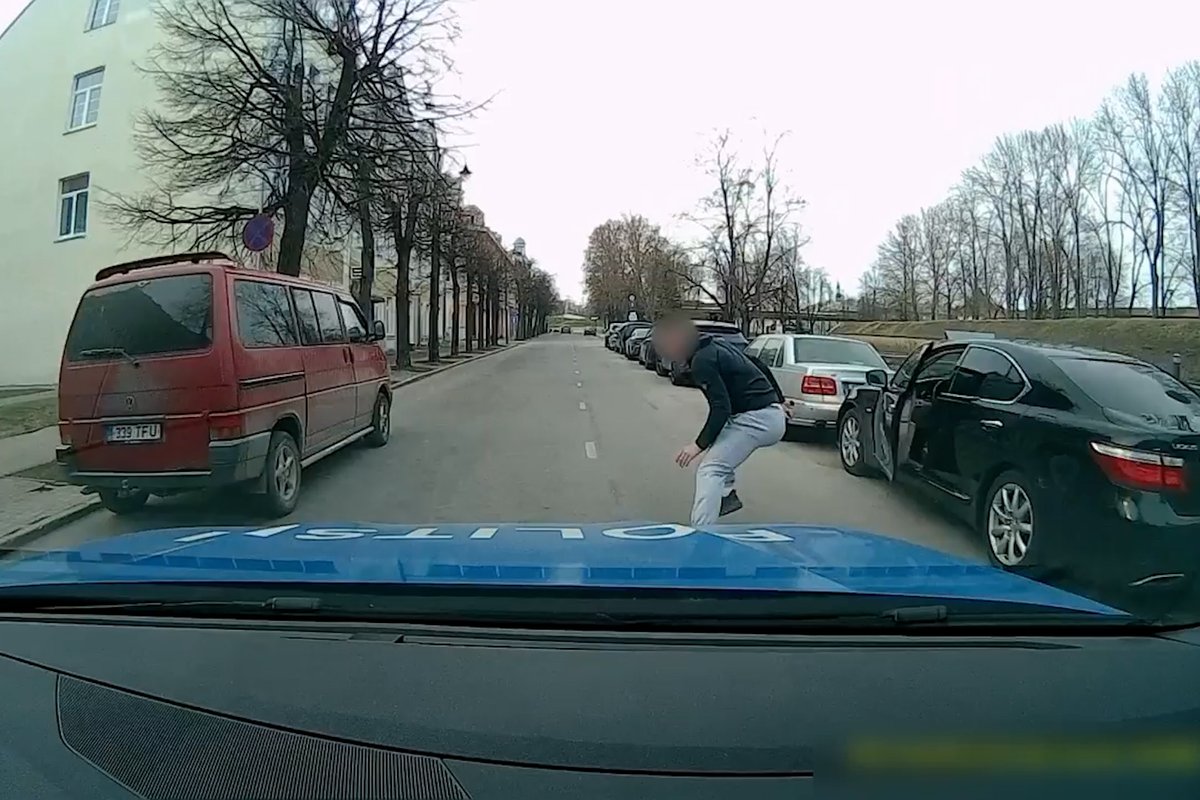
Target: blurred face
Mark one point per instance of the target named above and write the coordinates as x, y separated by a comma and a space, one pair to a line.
674, 341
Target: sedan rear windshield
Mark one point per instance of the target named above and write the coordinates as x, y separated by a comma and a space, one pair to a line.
836, 351
160, 315
1133, 388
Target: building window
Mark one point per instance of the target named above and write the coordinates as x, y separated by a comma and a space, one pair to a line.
104, 12
85, 99
73, 205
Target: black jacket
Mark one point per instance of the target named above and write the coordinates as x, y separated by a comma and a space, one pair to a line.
732, 381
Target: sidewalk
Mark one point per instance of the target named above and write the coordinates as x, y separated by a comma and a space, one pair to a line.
33, 506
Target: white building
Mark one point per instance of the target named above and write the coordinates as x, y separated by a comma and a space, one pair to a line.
70, 79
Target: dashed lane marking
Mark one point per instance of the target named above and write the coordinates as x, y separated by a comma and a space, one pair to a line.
582, 406
589, 449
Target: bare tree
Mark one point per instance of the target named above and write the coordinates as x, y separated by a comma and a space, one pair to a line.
257, 98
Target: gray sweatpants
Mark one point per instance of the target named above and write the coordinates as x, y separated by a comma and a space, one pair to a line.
741, 436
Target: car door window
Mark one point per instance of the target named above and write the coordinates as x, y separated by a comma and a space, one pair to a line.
755, 348
352, 319
905, 370
934, 373
306, 316
328, 318
771, 352
264, 315
987, 375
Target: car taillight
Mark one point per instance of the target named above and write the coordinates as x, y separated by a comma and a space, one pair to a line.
1140, 469
818, 384
224, 429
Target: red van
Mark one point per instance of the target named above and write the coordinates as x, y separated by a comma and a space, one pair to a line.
186, 372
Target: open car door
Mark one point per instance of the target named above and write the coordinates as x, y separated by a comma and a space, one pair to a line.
885, 421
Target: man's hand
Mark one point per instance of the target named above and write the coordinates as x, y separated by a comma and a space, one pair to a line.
687, 455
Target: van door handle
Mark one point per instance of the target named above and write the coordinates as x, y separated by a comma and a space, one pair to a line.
991, 424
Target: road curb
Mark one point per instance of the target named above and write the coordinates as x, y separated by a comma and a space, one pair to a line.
54, 521
422, 376
48, 524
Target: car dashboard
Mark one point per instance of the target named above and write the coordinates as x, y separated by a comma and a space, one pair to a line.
124, 708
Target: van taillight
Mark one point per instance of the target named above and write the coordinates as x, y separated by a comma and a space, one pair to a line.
1140, 469
224, 429
817, 384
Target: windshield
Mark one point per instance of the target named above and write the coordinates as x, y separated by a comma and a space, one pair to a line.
835, 351
378, 281
163, 315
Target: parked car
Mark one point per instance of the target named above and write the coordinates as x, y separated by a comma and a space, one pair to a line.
589, 331
633, 344
648, 356
565, 329
816, 372
626, 330
1015, 437
678, 372
188, 372
610, 333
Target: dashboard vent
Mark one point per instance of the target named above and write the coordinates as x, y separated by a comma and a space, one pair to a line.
160, 751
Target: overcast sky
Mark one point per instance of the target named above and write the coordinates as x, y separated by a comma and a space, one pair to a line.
602, 106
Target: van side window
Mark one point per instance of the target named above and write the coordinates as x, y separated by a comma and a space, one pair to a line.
352, 318
328, 318
306, 315
264, 315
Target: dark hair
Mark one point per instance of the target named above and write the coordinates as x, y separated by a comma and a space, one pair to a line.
675, 319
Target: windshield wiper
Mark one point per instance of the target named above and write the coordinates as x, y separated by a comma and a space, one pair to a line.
269, 606
109, 352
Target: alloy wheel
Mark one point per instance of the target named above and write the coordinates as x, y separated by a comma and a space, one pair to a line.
851, 442
1010, 524
287, 473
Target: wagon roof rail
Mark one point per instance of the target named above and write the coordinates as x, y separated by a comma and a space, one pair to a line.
158, 261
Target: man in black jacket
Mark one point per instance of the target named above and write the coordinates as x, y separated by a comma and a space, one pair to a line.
745, 412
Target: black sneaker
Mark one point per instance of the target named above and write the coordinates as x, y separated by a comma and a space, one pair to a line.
730, 503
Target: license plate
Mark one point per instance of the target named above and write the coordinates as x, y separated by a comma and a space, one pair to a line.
140, 432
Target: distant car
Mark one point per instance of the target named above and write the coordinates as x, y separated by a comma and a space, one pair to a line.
589, 331
816, 372
1065, 460
633, 345
565, 329
678, 372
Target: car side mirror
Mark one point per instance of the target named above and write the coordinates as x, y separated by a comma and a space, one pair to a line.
378, 331
877, 377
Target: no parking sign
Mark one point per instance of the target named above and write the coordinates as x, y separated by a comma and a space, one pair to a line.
258, 233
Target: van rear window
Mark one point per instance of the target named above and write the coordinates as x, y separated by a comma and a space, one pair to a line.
159, 315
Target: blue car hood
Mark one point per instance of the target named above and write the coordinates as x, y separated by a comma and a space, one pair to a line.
798, 558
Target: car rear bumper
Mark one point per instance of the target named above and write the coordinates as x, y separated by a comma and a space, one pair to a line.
804, 413
229, 462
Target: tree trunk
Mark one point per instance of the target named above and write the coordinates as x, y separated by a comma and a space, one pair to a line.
367, 253
469, 333
295, 226
435, 294
404, 229
455, 294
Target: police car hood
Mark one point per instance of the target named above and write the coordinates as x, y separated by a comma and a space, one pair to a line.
799, 558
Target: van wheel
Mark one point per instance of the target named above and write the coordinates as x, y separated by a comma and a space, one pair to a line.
381, 422
283, 475
123, 502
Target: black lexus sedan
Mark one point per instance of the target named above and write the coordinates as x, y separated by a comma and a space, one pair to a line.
1064, 460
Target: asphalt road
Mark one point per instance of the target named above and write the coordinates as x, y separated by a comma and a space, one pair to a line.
558, 429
